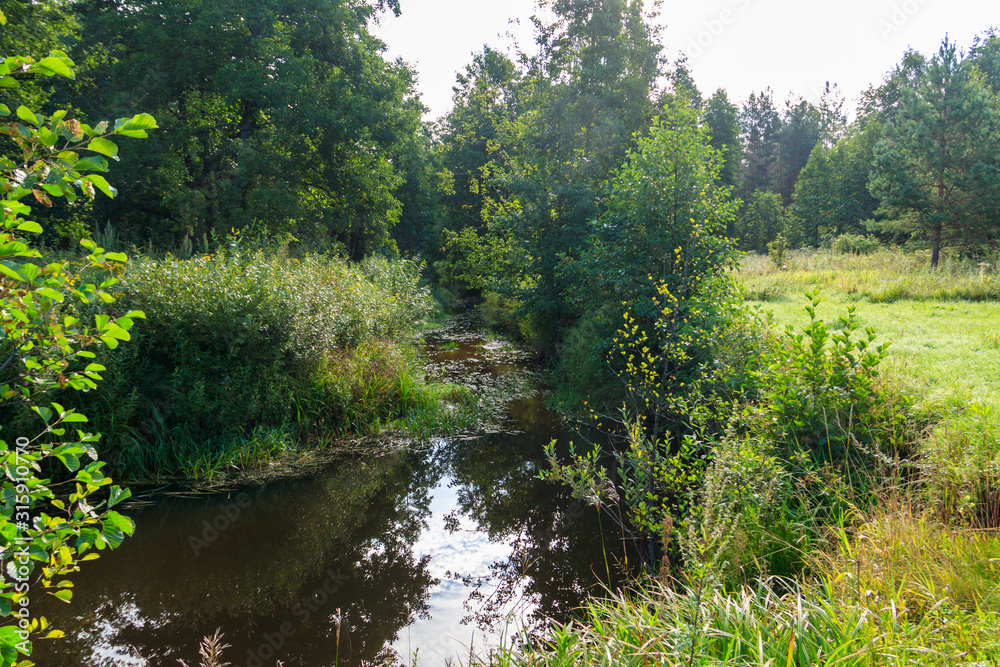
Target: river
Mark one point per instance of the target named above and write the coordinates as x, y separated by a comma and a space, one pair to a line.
434, 551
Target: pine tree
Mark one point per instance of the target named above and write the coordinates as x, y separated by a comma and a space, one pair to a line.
937, 169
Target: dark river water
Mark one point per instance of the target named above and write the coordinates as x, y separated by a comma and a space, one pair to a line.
431, 552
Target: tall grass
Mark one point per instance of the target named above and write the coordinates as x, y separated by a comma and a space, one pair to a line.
900, 590
884, 276
245, 356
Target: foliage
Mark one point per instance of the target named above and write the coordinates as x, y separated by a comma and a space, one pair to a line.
762, 220
820, 386
283, 115
854, 244
50, 315
581, 100
722, 118
936, 170
762, 624
831, 196
248, 342
776, 250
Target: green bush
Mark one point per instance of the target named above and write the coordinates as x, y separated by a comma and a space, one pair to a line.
249, 342
855, 244
820, 386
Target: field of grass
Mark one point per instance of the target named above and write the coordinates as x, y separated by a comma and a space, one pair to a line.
944, 347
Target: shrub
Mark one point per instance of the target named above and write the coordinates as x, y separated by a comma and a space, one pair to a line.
820, 386
244, 342
855, 244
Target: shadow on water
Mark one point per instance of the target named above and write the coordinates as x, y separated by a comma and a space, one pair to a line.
438, 550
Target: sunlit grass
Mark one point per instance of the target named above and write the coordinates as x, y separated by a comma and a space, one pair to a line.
945, 352
900, 590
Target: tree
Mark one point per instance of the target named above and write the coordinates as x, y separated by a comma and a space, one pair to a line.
722, 119
833, 120
666, 222
801, 129
762, 219
282, 115
587, 93
760, 125
659, 254
985, 54
33, 27
937, 168
831, 196
50, 314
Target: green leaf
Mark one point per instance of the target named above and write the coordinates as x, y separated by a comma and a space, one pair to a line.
57, 66
29, 226
50, 293
112, 535
101, 183
104, 147
10, 273
139, 122
118, 494
91, 163
25, 114
117, 256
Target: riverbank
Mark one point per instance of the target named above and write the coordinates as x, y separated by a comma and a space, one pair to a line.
848, 514
248, 364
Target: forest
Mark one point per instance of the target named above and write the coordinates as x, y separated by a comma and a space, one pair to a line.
771, 323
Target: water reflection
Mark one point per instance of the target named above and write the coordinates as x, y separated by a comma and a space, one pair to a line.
271, 574
440, 549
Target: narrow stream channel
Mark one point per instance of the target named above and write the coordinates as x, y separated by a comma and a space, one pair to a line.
433, 552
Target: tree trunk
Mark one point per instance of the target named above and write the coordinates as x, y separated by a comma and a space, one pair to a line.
936, 246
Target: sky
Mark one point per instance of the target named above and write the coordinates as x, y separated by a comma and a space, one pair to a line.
792, 46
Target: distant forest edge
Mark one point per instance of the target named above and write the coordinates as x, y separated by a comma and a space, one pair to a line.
283, 120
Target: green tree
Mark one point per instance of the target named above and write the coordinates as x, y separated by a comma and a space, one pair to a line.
485, 107
589, 92
275, 114
760, 125
722, 118
762, 219
937, 167
50, 314
831, 196
659, 255
985, 54
33, 27
666, 223
801, 130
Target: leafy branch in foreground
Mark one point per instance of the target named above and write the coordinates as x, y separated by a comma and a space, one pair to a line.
50, 315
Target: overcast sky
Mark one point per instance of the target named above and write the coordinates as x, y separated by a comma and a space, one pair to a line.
740, 45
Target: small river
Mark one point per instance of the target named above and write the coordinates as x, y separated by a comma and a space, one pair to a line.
431, 552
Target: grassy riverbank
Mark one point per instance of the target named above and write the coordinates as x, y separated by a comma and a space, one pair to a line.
886, 553
249, 358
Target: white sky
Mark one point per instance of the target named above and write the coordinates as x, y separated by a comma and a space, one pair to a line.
740, 45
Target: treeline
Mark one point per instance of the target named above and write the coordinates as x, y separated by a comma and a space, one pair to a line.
536, 144
281, 117
283, 121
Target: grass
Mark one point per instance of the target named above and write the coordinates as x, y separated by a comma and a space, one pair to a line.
247, 358
944, 352
885, 276
900, 566
902, 589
